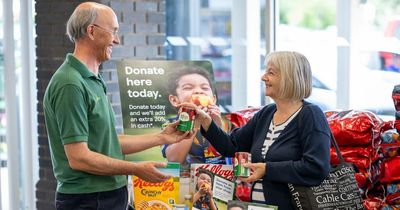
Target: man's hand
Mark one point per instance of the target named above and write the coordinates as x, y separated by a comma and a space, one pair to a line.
170, 135
258, 170
147, 170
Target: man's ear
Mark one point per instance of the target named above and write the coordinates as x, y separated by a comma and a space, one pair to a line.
90, 32
174, 100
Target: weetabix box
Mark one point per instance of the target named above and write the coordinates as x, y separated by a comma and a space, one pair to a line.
157, 195
222, 170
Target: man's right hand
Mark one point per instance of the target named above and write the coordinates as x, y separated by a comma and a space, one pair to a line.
147, 170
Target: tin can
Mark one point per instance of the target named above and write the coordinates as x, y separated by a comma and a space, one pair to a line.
180, 207
240, 159
186, 119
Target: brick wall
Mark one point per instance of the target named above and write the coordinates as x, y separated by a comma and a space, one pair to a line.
142, 33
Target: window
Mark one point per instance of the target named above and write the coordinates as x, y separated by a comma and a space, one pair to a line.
366, 40
205, 30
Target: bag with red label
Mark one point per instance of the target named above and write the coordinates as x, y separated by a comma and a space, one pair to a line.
390, 170
239, 118
353, 128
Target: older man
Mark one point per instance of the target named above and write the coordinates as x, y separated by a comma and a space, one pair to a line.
87, 154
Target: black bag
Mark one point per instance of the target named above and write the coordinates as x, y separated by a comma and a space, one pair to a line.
338, 191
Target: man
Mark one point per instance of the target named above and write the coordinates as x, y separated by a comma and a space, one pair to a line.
87, 154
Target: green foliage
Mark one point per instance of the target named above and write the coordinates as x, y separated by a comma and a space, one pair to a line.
312, 14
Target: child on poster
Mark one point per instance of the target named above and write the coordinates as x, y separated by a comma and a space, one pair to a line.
203, 197
193, 84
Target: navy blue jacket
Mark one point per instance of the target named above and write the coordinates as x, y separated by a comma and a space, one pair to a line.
300, 155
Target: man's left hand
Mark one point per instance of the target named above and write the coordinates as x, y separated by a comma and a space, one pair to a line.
171, 135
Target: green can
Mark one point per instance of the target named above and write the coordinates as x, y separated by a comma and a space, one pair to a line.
186, 119
238, 168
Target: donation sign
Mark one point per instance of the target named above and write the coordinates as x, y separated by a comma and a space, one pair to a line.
144, 94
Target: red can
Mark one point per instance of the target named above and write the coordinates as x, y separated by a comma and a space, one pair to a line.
240, 159
186, 119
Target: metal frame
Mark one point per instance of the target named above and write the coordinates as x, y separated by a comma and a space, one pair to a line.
21, 115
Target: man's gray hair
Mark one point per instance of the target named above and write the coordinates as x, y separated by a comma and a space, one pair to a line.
80, 19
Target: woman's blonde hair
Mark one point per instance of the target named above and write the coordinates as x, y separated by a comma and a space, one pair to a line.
295, 71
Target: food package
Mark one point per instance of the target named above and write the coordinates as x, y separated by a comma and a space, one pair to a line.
157, 196
362, 157
239, 118
355, 128
202, 100
390, 170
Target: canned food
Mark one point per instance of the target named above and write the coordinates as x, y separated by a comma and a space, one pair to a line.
180, 207
240, 159
186, 119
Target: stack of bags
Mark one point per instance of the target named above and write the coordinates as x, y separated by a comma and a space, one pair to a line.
357, 134
389, 152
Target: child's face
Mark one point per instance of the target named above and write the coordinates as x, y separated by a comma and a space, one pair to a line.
192, 84
203, 178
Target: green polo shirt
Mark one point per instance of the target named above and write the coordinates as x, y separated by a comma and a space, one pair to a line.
76, 109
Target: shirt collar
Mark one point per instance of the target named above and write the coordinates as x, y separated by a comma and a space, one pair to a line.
79, 66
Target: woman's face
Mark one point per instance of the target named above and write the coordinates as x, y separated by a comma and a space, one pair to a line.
191, 84
203, 179
271, 78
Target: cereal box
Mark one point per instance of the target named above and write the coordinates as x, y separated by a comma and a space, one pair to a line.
157, 196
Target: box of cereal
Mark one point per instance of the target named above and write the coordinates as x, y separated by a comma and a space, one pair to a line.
161, 196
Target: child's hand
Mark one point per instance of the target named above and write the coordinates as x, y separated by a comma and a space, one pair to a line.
215, 113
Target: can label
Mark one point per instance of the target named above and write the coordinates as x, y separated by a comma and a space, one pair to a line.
240, 159
186, 119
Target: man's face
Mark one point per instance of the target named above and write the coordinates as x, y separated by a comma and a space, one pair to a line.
189, 85
106, 34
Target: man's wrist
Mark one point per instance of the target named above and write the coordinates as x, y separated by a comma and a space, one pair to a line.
160, 139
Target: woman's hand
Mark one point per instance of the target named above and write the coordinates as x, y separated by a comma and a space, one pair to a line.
258, 170
202, 117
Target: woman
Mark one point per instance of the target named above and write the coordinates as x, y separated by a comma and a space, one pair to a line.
289, 140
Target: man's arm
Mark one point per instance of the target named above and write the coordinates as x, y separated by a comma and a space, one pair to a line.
169, 135
136, 143
82, 159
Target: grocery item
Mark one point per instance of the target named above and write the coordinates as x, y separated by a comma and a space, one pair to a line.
186, 119
157, 196
240, 159
202, 100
